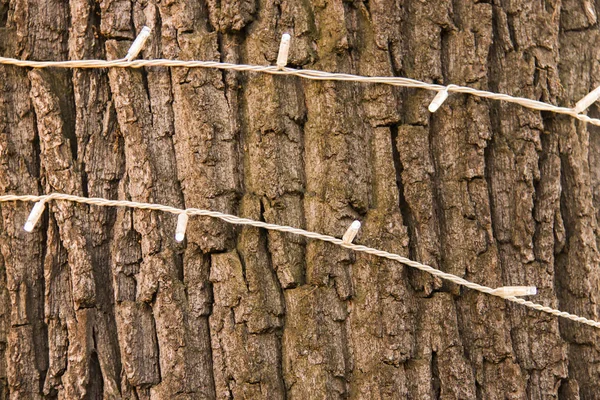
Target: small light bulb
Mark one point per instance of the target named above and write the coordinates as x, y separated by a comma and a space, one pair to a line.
138, 43
587, 100
34, 216
182, 221
351, 232
590, 11
284, 49
516, 291
438, 100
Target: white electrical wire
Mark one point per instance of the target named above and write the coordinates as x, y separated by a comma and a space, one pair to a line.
505, 294
303, 73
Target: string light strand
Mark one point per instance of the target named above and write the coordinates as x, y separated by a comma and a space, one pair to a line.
505, 294
306, 74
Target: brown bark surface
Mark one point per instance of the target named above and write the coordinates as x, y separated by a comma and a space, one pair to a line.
102, 303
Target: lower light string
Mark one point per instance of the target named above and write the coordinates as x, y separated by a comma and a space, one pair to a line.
506, 292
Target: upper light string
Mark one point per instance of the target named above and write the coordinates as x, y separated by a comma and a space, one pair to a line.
506, 292
280, 69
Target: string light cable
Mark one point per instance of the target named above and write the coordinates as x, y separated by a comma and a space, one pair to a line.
281, 69
509, 293
306, 74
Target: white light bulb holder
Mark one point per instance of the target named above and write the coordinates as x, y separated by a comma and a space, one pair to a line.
438, 100
138, 43
34, 216
284, 49
515, 291
587, 101
351, 232
182, 221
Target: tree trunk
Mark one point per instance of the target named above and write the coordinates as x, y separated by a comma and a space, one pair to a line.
103, 303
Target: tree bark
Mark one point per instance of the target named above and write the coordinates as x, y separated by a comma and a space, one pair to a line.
103, 303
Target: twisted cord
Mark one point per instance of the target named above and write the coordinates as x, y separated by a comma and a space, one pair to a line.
302, 73
232, 219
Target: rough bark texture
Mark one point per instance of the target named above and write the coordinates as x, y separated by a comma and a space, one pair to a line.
103, 303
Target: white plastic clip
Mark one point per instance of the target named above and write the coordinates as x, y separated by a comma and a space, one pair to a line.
438, 100
351, 232
182, 221
138, 43
284, 49
590, 11
34, 216
516, 291
587, 100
